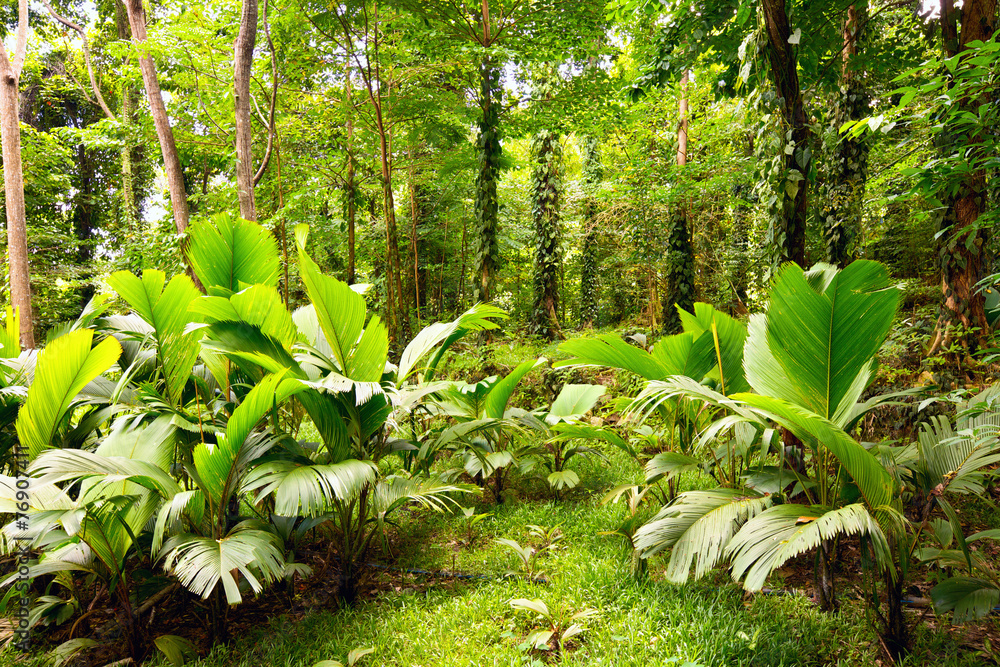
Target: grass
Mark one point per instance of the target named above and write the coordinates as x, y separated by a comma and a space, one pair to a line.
420, 621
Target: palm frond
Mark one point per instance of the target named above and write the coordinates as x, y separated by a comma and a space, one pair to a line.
201, 563
698, 525
782, 532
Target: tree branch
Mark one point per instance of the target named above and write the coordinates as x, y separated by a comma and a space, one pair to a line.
86, 57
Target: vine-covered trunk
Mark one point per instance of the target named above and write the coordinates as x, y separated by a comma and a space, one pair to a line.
787, 230
680, 271
844, 196
242, 70
589, 283
963, 245
350, 189
487, 249
546, 190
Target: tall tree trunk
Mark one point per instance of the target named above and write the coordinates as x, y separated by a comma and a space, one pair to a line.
350, 189
171, 160
589, 281
129, 225
415, 220
841, 203
242, 71
963, 248
682, 125
547, 187
394, 283
487, 249
787, 230
680, 254
13, 178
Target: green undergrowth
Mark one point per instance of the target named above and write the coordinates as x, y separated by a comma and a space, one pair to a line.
429, 621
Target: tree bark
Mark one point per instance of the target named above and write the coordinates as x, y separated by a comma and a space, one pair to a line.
788, 230
962, 251
547, 156
350, 188
165, 135
682, 126
13, 179
844, 194
242, 70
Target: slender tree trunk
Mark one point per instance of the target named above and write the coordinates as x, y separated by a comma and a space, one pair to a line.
171, 160
680, 258
414, 239
589, 280
963, 248
394, 284
350, 192
682, 125
242, 71
13, 179
787, 232
487, 249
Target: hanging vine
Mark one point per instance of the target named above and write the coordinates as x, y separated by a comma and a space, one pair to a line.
589, 282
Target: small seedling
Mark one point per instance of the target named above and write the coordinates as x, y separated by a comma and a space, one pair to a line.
471, 520
549, 536
526, 556
560, 626
352, 658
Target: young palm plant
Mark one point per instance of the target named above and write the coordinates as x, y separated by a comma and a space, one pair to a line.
808, 359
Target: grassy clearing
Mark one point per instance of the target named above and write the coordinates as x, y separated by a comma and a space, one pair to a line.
420, 621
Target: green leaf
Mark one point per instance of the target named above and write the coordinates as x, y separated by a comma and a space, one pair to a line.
574, 401
177, 650
969, 598
782, 532
228, 254
63, 369
823, 341
873, 480
611, 351
563, 479
698, 525
495, 403
201, 563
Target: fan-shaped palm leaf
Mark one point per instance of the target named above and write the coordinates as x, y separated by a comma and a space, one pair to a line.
698, 525
229, 254
970, 598
823, 341
782, 532
201, 563
308, 490
165, 309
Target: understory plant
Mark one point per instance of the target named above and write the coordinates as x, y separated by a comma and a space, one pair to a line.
185, 456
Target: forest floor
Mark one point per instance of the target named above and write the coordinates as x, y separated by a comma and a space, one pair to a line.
438, 591
413, 619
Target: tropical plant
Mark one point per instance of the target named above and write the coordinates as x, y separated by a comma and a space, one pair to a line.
485, 432
562, 439
808, 358
562, 625
709, 351
352, 658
